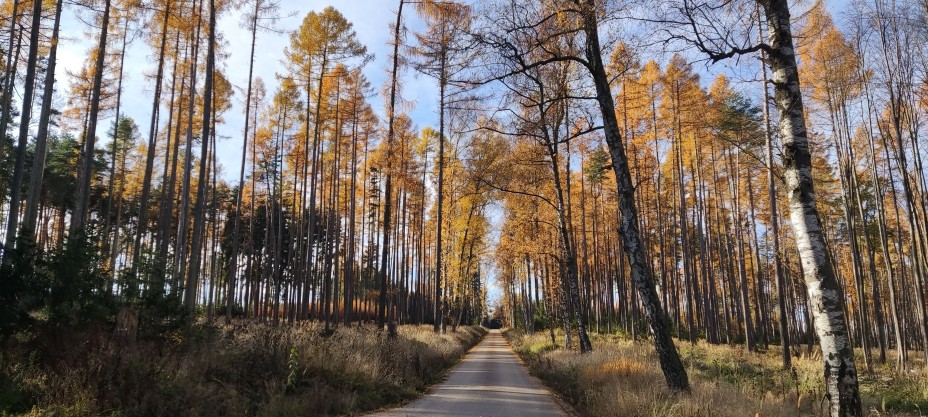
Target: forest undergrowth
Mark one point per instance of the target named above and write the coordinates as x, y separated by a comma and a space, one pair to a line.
621, 377
246, 369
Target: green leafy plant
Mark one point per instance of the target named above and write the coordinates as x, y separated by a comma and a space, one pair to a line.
293, 362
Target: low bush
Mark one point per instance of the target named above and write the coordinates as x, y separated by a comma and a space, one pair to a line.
247, 369
623, 378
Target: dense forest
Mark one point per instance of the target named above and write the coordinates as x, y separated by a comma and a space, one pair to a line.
731, 172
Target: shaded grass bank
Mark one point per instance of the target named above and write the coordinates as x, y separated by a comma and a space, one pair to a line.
248, 369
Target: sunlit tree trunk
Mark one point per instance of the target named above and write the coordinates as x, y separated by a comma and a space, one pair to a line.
199, 209
156, 289
775, 223
671, 365
388, 183
180, 245
237, 215
824, 292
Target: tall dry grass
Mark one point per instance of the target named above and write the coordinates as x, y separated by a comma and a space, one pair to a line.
623, 378
250, 369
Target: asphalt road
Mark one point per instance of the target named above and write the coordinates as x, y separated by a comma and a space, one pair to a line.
489, 382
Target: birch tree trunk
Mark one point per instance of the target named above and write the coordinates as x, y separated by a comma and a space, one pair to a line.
774, 222
825, 295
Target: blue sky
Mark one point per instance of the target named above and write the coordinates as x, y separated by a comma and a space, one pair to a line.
371, 20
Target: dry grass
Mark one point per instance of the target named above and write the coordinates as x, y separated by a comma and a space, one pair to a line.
250, 369
622, 378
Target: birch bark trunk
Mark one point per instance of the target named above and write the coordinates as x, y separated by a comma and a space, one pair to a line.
825, 295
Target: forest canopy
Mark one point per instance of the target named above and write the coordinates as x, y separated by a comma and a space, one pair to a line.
743, 172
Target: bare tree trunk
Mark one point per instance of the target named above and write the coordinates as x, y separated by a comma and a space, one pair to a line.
236, 239
107, 244
439, 224
34, 193
8, 77
660, 214
570, 274
352, 208
166, 202
688, 279
671, 365
845, 177
733, 181
884, 239
150, 156
199, 212
20, 165
85, 170
388, 192
180, 246
825, 295
775, 223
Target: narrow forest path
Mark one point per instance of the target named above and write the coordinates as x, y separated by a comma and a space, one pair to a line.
489, 382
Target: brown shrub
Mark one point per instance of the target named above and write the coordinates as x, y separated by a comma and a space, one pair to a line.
249, 369
623, 378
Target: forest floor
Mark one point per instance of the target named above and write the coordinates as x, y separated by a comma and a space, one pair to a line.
246, 369
622, 378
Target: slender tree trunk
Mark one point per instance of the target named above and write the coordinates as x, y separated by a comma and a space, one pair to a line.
568, 254
237, 219
439, 225
388, 192
743, 284
199, 210
671, 365
131, 287
774, 222
85, 170
844, 170
660, 214
180, 246
825, 295
34, 193
20, 165
884, 240
688, 279
150, 155
8, 78
352, 209
167, 182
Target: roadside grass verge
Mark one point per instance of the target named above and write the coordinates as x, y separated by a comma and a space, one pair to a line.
248, 369
623, 378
